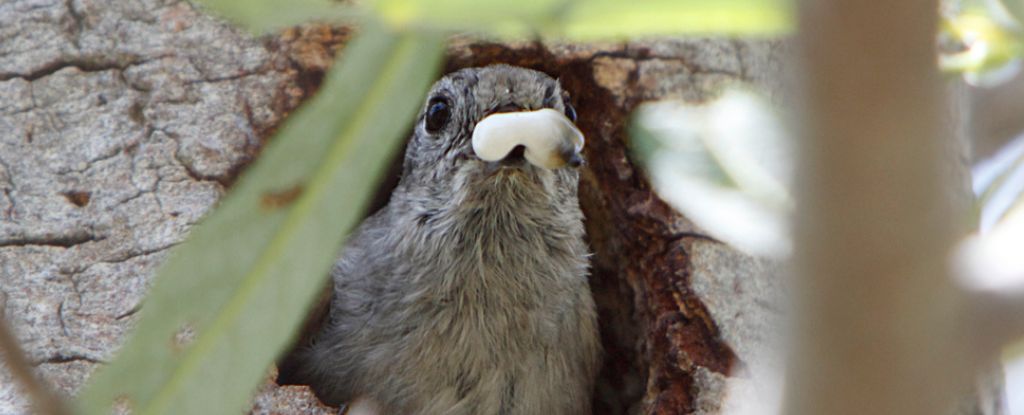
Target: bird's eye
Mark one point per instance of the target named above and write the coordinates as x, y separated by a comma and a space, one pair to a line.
438, 113
570, 112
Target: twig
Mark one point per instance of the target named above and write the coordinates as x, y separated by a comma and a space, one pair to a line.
43, 399
875, 327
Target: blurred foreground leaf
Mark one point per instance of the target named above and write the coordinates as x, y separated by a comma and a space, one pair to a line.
231, 297
612, 18
725, 165
593, 19
264, 15
575, 19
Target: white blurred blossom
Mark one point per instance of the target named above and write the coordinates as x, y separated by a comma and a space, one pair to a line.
726, 165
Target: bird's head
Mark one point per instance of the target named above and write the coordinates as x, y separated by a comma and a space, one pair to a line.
497, 134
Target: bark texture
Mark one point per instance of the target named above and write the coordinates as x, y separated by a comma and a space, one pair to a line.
122, 123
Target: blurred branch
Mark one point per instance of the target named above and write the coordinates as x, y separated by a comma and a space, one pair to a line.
876, 218
44, 401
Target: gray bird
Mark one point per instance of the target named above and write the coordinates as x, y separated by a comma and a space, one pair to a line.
467, 293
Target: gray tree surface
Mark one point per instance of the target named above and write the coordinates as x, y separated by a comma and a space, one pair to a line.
121, 123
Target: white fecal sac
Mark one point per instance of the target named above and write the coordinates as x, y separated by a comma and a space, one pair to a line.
550, 139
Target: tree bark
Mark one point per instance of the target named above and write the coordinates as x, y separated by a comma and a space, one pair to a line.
121, 124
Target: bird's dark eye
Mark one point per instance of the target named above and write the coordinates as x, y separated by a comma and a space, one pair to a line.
438, 113
570, 112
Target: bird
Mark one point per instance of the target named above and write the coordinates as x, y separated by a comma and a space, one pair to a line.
467, 293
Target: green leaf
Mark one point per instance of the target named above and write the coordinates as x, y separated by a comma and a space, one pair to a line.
265, 15
619, 19
243, 281
593, 19
501, 17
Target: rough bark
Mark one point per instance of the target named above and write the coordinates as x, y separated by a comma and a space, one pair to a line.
122, 123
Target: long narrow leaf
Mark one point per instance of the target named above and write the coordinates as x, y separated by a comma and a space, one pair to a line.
619, 19
231, 297
593, 19
500, 17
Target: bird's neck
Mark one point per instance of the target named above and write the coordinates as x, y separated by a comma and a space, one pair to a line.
492, 244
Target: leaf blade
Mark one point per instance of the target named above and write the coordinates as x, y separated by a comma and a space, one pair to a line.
203, 376
616, 19
594, 19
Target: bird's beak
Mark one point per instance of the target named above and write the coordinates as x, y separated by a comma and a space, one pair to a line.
549, 138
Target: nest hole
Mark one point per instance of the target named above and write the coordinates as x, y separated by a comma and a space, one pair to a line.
622, 382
